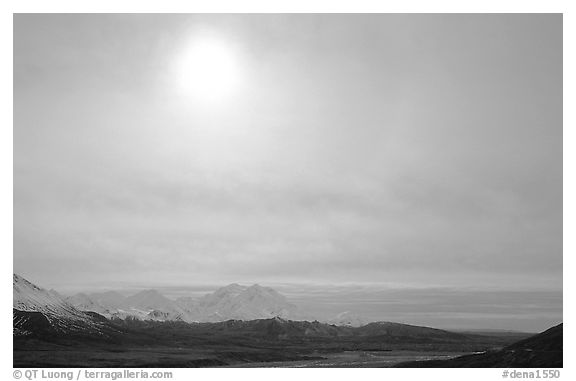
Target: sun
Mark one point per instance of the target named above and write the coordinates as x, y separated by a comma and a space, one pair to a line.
208, 70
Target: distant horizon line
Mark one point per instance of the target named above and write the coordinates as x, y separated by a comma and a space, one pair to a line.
131, 286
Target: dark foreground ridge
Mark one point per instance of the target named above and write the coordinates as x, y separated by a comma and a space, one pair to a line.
135, 343
543, 350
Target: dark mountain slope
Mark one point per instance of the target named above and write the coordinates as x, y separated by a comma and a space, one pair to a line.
397, 331
543, 350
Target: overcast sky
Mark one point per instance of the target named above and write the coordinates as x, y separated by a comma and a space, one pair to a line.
393, 150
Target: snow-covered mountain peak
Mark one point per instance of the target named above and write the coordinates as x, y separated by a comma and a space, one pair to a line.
257, 289
230, 290
21, 283
27, 297
110, 299
347, 318
232, 287
150, 300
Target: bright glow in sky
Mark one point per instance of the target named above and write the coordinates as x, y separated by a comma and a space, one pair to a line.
207, 70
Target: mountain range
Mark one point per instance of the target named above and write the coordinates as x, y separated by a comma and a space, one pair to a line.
234, 307
231, 302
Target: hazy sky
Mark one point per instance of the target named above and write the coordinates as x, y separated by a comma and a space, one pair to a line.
403, 151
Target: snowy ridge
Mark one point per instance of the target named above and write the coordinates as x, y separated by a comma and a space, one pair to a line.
33, 302
235, 302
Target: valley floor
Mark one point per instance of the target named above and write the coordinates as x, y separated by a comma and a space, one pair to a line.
356, 359
185, 357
